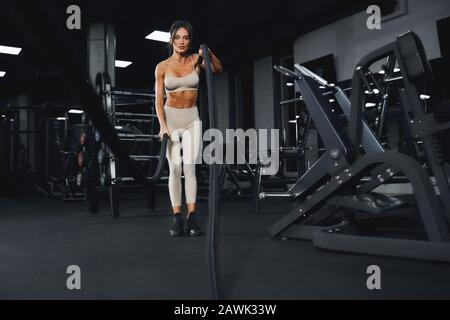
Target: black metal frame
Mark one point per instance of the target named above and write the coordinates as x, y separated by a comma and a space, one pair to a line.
108, 95
334, 182
422, 125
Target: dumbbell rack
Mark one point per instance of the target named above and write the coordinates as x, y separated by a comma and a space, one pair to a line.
110, 174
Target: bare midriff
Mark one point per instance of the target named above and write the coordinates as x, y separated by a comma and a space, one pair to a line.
182, 99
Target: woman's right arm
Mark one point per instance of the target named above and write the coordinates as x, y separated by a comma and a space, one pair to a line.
159, 100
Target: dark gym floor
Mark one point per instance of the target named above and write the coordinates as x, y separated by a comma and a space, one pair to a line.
133, 258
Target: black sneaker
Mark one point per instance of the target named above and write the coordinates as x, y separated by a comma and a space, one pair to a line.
177, 228
192, 228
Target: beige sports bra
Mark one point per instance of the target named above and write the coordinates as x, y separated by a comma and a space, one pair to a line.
187, 83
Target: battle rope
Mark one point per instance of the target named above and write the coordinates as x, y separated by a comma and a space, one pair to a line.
213, 199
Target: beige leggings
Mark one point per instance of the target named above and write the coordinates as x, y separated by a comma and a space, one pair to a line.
185, 134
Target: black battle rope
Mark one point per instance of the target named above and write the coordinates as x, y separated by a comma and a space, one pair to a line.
51, 38
213, 198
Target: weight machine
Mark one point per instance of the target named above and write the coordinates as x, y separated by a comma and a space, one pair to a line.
336, 188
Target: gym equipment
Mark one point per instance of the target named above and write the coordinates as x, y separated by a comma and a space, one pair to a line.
235, 183
101, 156
301, 152
110, 174
330, 129
296, 149
101, 48
332, 188
60, 50
7, 154
78, 156
18, 148
127, 112
425, 121
380, 97
298, 153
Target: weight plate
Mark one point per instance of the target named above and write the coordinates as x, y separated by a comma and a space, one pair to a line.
80, 159
83, 138
97, 136
80, 179
101, 155
103, 179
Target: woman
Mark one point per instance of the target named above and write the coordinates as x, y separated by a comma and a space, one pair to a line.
178, 78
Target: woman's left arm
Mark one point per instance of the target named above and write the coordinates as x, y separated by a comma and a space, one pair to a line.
215, 63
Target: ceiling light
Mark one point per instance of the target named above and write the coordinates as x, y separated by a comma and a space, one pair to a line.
75, 111
396, 69
2, 74
159, 36
289, 84
10, 50
370, 105
61, 118
332, 100
123, 64
382, 72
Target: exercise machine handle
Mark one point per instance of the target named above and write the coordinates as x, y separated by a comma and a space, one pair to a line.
286, 72
314, 76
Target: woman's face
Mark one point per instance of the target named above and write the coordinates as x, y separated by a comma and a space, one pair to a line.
181, 41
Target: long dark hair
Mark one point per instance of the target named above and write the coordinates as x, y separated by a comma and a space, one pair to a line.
173, 31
